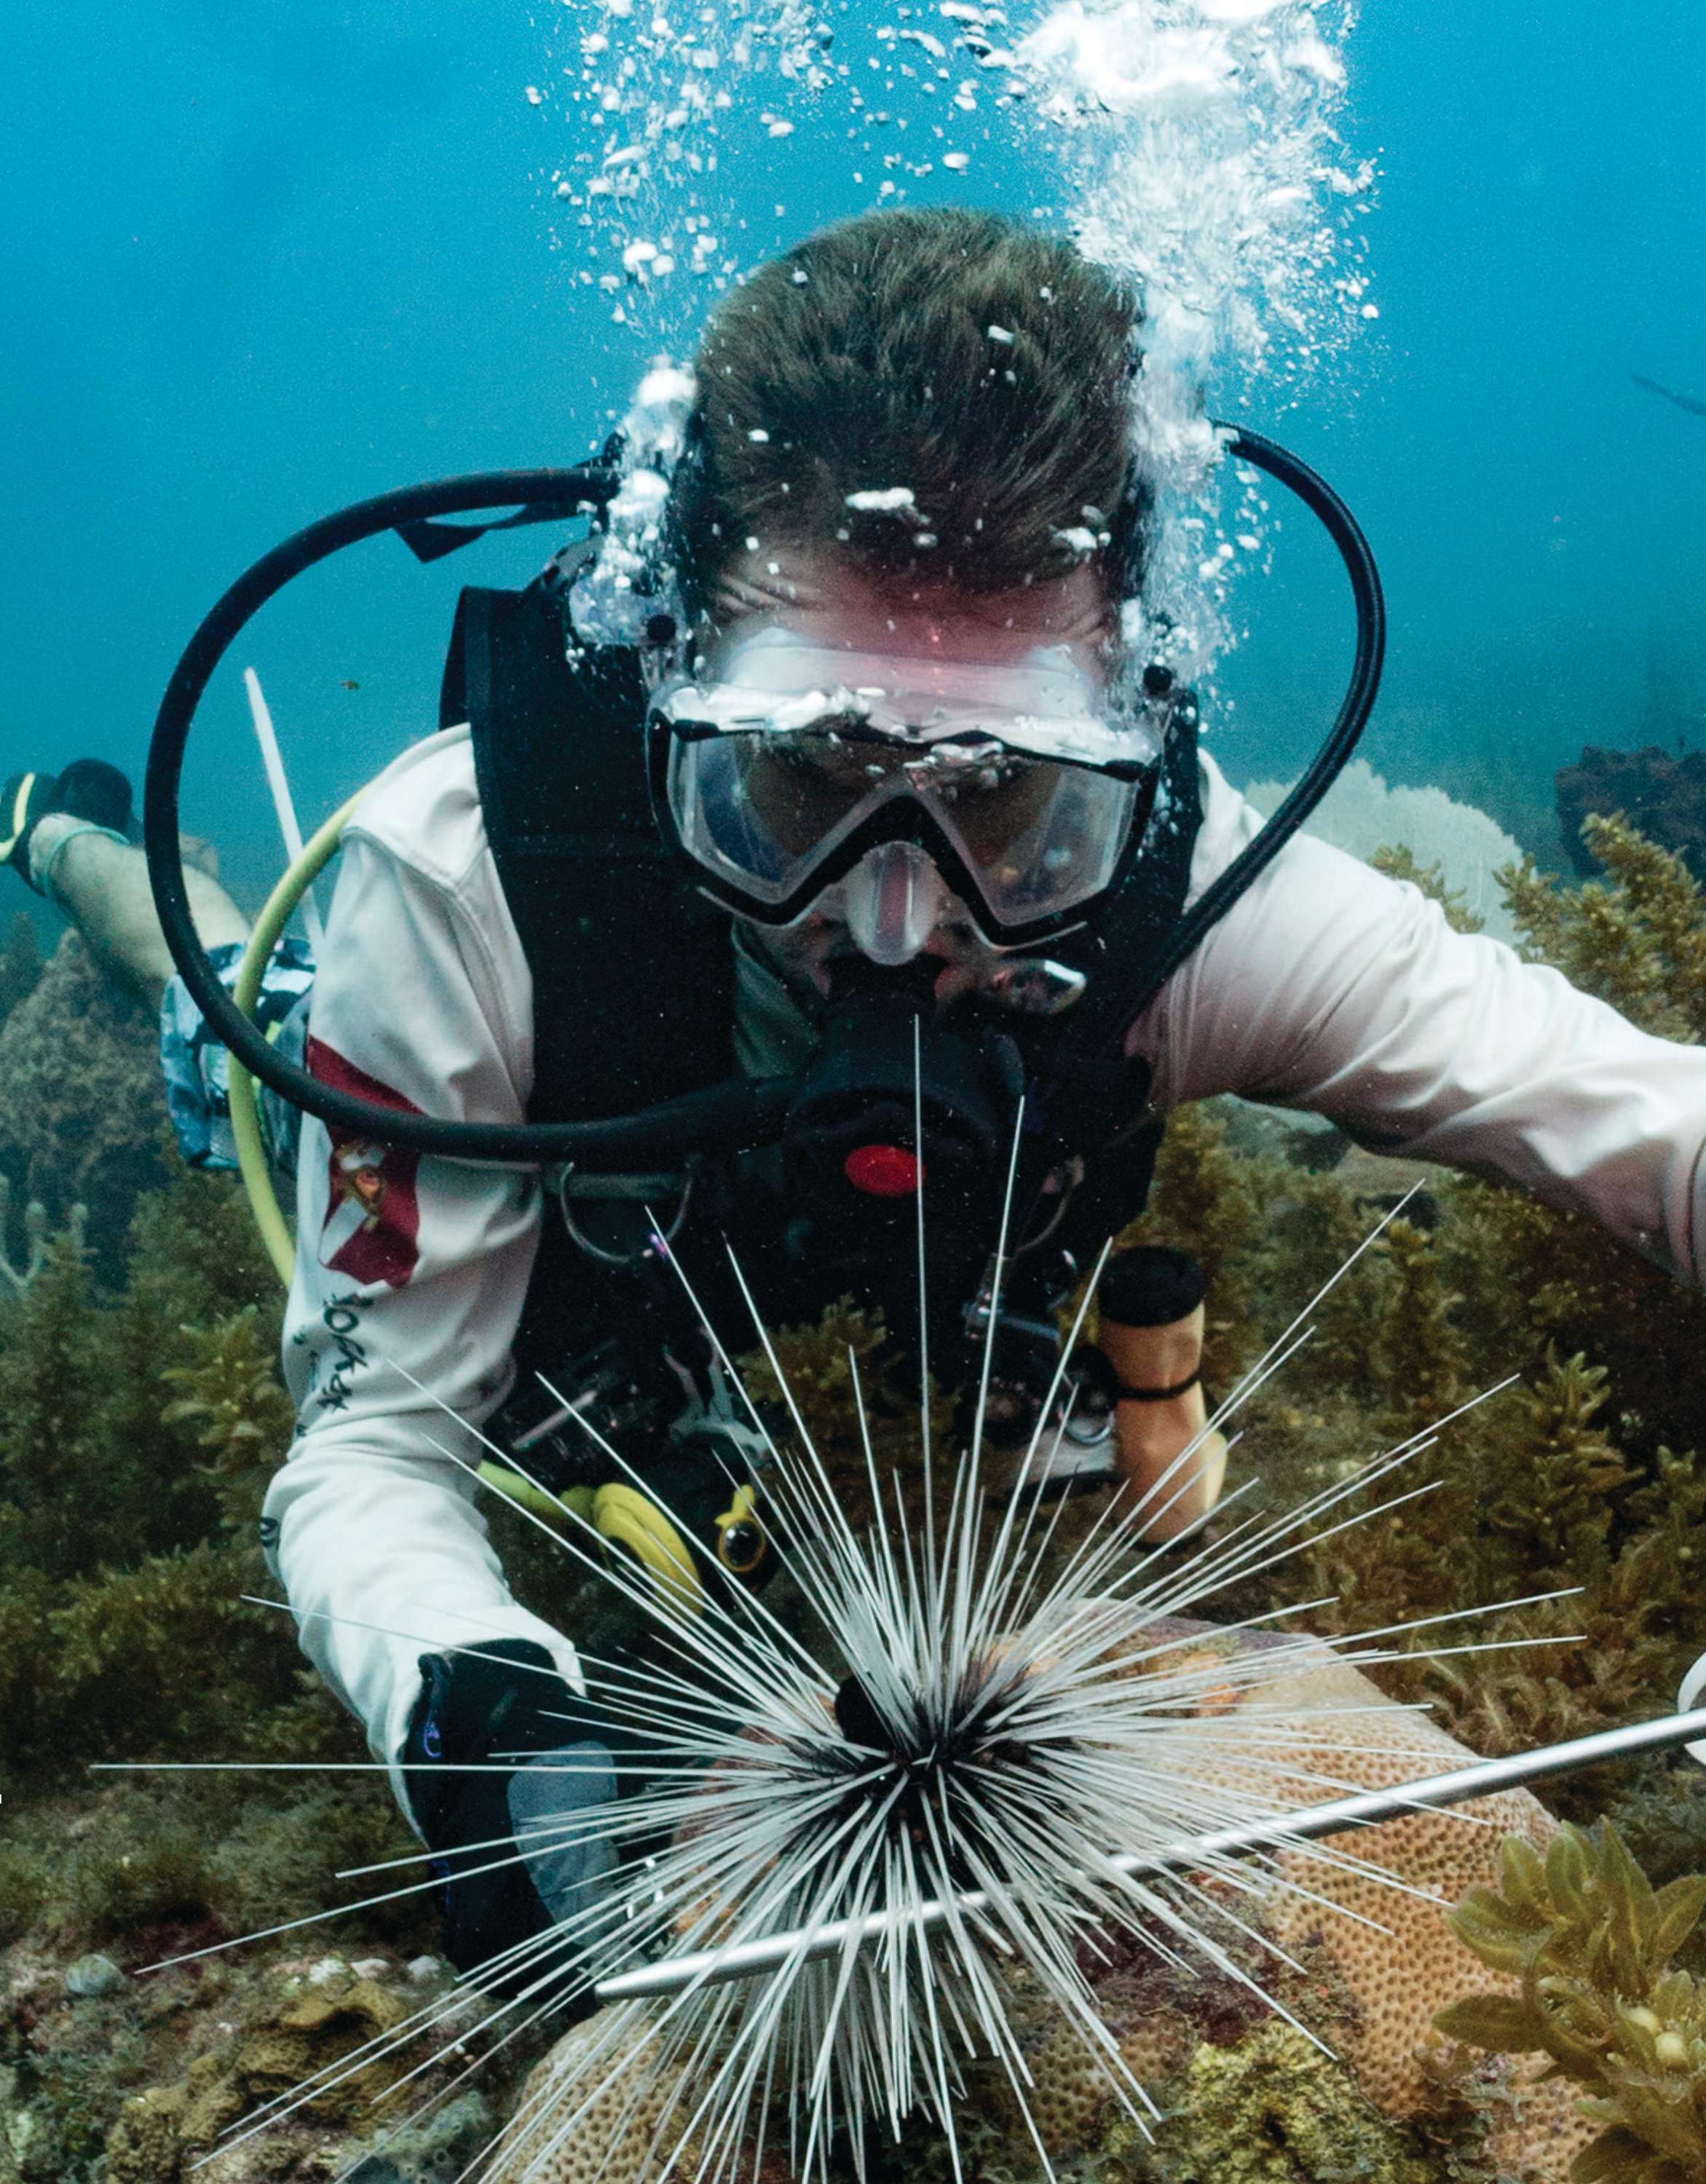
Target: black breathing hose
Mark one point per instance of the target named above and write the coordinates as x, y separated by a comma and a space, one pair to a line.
1329, 762
745, 1111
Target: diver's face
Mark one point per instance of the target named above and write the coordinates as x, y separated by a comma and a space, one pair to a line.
820, 596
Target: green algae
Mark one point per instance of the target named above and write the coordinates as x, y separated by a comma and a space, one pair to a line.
1592, 1945
1275, 2109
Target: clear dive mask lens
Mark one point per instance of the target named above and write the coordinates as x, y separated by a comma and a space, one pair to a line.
782, 775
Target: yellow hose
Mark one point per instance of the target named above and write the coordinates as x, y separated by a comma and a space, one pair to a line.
251, 1149
668, 1560
245, 1113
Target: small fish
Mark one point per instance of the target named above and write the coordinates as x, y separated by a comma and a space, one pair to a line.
348, 684
1688, 402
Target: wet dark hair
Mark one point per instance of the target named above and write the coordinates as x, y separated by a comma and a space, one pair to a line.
983, 366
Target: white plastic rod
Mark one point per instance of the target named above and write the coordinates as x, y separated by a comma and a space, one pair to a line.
272, 760
1481, 1779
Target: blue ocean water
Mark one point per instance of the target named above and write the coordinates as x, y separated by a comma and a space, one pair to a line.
260, 262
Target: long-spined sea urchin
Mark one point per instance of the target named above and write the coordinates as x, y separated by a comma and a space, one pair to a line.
983, 1726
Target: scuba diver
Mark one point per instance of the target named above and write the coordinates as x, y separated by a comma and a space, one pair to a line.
70, 838
831, 758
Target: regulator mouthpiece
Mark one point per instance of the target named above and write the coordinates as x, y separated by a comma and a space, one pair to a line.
893, 901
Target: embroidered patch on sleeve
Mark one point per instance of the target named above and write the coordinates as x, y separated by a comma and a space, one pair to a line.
373, 1226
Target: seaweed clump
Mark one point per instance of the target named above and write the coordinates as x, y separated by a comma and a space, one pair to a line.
1637, 938
1592, 1946
136, 1432
1399, 863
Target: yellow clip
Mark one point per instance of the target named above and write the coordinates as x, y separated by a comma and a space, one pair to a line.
741, 1546
630, 1520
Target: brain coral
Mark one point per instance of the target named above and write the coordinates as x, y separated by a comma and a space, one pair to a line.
624, 2138
1393, 1956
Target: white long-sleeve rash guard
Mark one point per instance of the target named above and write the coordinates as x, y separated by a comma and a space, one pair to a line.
1326, 986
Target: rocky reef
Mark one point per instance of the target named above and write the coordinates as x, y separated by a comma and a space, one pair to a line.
140, 1412
1661, 792
82, 1115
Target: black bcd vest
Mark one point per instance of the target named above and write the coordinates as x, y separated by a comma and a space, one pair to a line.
633, 974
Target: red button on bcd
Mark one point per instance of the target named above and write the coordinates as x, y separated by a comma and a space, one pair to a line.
883, 1171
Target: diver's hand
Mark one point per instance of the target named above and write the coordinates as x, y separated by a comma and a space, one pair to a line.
1692, 1694
523, 1850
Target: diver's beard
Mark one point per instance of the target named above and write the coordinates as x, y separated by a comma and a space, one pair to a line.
801, 954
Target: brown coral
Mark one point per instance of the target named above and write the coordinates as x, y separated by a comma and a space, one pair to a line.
312, 2035
159, 2133
145, 2145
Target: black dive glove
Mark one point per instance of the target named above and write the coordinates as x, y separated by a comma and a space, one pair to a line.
474, 1712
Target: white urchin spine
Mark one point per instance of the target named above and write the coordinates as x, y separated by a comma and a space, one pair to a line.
993, 1733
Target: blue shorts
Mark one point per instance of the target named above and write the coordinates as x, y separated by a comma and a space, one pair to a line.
196, 1065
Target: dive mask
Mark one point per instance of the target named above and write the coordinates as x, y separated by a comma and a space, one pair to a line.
786, 764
